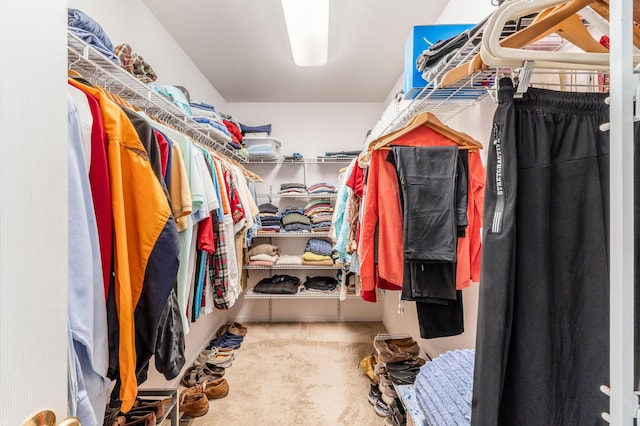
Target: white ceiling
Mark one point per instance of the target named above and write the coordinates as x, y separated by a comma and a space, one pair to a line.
241, 46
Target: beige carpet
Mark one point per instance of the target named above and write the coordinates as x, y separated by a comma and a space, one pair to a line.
298, 374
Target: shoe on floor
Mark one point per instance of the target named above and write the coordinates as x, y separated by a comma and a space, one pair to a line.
374, 394
233, 328
227, 340
237, 329
390, 353
146, 419
388, 392
194, 402
382, 409
407, 344
215, 389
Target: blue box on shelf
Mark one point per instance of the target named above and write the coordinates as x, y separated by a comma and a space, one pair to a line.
419, 40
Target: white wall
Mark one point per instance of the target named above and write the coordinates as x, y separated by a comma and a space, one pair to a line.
465, 12
33, 210
312, 128
131, 21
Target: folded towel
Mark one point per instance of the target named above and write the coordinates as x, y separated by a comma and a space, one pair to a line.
314, 257
265, 257
260, 263
288, 259
317, 263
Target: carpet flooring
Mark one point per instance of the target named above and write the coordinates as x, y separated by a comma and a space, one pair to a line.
302, 374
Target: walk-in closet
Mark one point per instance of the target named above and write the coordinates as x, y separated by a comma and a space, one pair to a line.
423, 214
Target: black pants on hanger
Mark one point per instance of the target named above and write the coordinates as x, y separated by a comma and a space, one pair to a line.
542, 347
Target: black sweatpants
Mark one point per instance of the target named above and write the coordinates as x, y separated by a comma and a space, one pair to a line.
542, 347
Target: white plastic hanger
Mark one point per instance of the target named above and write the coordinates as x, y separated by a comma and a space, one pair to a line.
494, 54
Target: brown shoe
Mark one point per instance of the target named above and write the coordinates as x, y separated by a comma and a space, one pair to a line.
407, 344
193, 402
148, 419
237, 329
214, 389
141, 406
393, 353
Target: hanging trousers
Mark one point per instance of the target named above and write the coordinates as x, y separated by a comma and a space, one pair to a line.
542, 348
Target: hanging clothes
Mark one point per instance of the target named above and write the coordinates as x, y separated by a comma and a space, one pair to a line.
382, 216
542, 348
86, 300
433, 194
141, 218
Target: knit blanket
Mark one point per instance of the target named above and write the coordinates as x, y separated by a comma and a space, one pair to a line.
444, 388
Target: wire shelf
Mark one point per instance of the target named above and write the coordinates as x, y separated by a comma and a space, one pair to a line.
291, 234
316, 160
302, 294
304, 196
291, 267
99, 70
447, 102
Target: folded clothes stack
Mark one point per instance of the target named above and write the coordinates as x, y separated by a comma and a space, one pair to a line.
318, 253
89, 31
207, 116
342, 154
278, 284
263, 259
320, 212
269, 218
293, 188
293, 221
263, 255
321, 284
321, 188
434, 59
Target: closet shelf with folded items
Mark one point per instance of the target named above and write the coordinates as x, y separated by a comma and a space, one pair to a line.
95, 67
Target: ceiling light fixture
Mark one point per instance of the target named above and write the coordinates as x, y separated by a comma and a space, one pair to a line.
308, 28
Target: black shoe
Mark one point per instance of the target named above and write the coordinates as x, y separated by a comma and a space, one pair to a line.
374, 394
382, 409
397, 413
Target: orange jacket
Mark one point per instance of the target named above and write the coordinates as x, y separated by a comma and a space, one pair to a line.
140, 213
382, 209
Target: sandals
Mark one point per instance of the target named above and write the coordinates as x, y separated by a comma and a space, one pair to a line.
215, 358
223, 358
232, 328
198, 374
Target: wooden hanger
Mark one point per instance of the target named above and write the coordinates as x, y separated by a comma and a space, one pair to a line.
571, 28
601, 7
500, 53
431, 121
542, 27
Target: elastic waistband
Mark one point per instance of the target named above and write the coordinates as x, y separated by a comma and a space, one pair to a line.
575, 102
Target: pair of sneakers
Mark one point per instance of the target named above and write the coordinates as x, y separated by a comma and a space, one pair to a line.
226, 340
